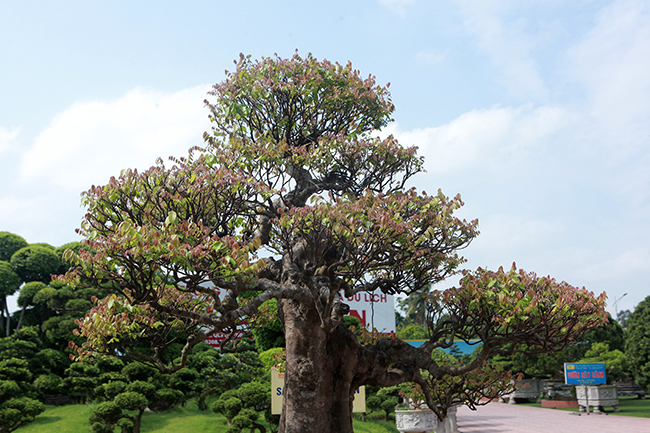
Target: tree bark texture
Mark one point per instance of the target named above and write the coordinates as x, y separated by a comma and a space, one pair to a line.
320, 371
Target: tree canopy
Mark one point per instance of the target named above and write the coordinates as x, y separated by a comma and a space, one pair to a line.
637, 344
36, 262
9, 244
9, 283
294, 198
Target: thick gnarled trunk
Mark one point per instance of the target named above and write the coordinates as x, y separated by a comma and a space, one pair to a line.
319, 373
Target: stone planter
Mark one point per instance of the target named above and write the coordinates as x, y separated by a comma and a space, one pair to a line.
597, 396
557, 390
527, 388
560, 404
412, 421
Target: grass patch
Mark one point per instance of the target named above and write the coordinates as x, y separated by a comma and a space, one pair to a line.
61, 419
74, 419
629, 406
372, 426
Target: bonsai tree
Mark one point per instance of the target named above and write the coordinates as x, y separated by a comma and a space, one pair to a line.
294, 198
9, 284
219, 373
36, 262
132, 390
18, 405
241, 407
10, 281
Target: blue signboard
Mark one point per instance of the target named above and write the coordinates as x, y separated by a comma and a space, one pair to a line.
584, 373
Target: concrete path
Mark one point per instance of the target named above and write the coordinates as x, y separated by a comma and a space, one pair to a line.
508, 418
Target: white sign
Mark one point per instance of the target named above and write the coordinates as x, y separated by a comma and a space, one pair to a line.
277, 394
374, 310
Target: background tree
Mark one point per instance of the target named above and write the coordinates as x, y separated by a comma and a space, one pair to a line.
219, 373
294, 170
34, 265
26, 297
36, 262
266, 327
413, 332
32, 361
415, 306
550, 365
9, 284
18, 403
637, 344
9, 244
622, 317
241, 406
615, 361
9, 281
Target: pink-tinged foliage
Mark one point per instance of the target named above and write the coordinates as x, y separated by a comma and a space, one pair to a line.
504, 308
303, 99
293, 168
397, 243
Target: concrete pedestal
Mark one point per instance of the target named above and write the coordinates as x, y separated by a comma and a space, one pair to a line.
416, 421
597, 396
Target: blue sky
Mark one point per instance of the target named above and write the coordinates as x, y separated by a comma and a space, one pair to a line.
536, 112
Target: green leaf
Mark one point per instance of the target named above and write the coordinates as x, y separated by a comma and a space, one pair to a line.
172, 219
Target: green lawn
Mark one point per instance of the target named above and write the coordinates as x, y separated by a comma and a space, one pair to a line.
629, 406
74, 419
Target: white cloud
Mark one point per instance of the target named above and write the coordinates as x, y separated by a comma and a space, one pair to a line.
480, 136
94, 140
6, 137
509, 44
612, 61
507, 237
507, 231
599, 265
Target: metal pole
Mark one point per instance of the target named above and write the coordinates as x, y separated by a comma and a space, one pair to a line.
616, 301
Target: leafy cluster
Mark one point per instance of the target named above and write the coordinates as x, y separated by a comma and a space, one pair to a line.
304, 99
504, 308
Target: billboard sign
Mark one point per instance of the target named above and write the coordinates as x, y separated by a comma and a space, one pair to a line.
374, 310
215, 339
585, 373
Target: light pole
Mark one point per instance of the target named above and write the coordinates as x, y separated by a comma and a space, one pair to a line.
616, 301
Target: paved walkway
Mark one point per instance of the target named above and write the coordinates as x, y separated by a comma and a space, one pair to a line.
508, 418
